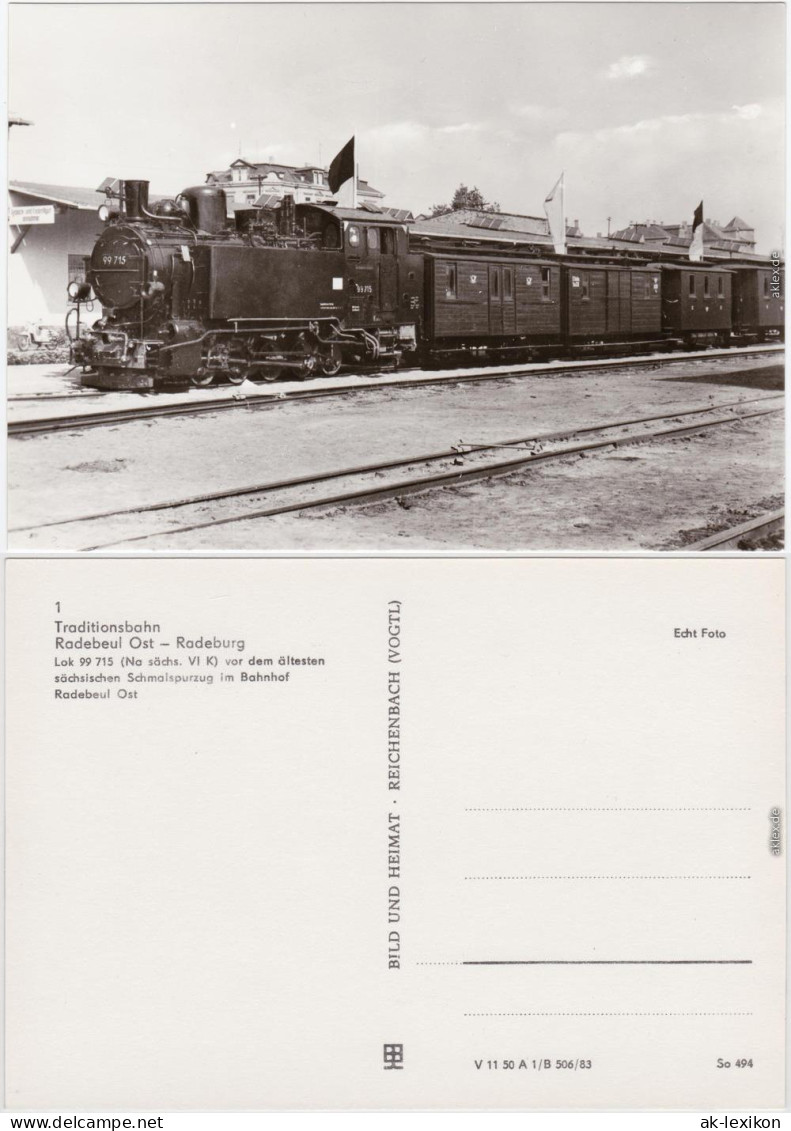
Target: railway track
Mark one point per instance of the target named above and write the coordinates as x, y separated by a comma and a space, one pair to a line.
744, 536
457, 465
101, 418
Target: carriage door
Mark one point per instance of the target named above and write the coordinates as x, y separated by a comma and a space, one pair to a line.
388, 277
495, 300
625, 283
613, 301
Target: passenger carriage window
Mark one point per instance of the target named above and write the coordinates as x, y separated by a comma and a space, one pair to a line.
508, 283
692, 286
373, 239
495, 285
546, 283
585, 288
451, 282
720, 285
353, 236
766, 286
706, 290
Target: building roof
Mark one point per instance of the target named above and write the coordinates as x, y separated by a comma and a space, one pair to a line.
640, 233
680, 235
84, 199
364, 214
497, 221
737, 224
287, 174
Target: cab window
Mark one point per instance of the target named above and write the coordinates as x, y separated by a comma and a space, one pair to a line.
373, 239
388, 241
353, 237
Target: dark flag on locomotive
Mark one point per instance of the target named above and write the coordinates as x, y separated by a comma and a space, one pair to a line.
342, 167
696, 246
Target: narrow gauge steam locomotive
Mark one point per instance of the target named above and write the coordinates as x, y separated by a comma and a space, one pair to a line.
304, 289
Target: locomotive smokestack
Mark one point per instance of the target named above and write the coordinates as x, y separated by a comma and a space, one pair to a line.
135, 199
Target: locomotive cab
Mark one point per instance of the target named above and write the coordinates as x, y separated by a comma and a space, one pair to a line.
383, 281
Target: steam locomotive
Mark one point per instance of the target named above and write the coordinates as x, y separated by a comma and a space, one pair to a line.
304, 289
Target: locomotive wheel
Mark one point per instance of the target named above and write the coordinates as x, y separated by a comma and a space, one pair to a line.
263, 359
330, 363
265, 373
202, 379
234, 378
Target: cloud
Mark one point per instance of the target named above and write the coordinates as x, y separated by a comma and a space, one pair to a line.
704, 130
751, 110
397, 133
462, 128
662, 166
629, 67
532, 112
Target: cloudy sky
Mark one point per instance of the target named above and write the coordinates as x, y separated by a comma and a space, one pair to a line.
648, 107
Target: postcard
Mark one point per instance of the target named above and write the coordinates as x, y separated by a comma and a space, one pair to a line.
382, 834
410, 277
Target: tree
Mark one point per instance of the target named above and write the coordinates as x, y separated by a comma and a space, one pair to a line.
464, 197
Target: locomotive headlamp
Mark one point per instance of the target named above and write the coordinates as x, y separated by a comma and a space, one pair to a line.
104, 212
79, 292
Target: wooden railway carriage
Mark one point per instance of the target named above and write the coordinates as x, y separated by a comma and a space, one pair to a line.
758, 302
485, 301
604, 303
696, 302
510, 303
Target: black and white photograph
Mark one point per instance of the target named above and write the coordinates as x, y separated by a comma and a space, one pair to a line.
396, 277
394, 700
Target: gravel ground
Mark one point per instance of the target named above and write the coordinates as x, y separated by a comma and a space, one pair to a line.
613, 501
607, 502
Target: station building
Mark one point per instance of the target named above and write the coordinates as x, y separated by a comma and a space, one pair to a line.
52, 230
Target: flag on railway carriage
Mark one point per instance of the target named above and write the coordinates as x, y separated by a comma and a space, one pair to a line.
555, 208
342, 166
696, 247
